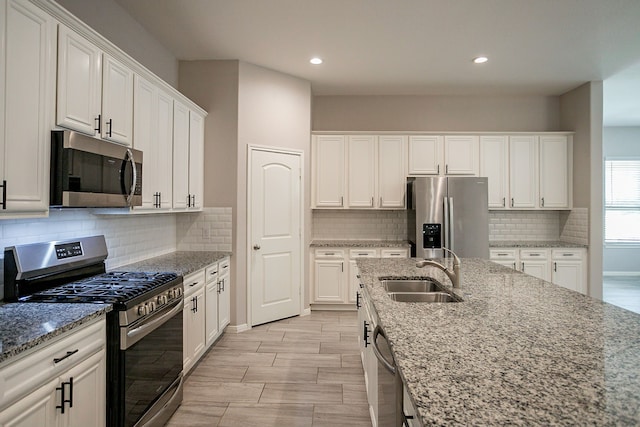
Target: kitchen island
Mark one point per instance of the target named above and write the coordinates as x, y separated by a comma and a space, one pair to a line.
516, 351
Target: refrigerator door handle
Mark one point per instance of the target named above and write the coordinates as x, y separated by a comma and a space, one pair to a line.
451, 228
446, 224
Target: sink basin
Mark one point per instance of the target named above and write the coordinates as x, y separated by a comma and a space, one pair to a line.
410, 286
422, 297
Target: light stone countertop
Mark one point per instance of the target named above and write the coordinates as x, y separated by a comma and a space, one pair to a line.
360, 244
533, 244
516, 351
180, 262
26, 325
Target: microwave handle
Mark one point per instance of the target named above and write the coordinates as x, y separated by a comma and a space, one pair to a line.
134, 174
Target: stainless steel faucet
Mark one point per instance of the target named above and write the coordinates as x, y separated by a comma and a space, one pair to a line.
454, 275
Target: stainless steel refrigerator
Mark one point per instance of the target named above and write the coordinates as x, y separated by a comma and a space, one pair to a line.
450, 212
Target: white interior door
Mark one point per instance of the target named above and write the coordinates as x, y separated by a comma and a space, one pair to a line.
275, 197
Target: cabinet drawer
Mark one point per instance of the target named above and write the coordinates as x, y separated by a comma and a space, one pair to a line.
503, 254
223, 266
193, 282
394, 253
363, 253
330, 253
566, 254
49, 360
211, 273
532, 254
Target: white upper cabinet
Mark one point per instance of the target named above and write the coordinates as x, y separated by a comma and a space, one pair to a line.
153, 128
117, 101
361, 170
95, 91
392, 171
328, 153
424, 154
461, 153
523, 174
555, 172
444, 155
27, 70
494, 164
180, 156
79, 83
196, 161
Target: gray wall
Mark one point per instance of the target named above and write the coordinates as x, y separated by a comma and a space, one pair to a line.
110, 20
247, 105
581, 112
436, 113
621, 142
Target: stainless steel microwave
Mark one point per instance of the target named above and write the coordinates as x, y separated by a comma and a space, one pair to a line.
90, 172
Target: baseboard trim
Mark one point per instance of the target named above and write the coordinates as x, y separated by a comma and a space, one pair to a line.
236, 329
621, 273
306, 312
333, 307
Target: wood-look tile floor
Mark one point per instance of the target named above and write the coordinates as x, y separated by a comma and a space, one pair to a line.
301, 371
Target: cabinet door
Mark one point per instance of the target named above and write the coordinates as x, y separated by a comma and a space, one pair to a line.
361, 167
506, 257
568, 274
79, 83
354, 282
27, 64
38, 408
194, 328
394, 253
329, 281
328, 169
425, 154
164, 150
117, 101
180, 155
89, 393
392, 171
461, 153
554, 172
539, 269
196, 160
523, 171
494, 164
224, 301
211, 318
145, 104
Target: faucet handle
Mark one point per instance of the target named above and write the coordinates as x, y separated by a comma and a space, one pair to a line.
456, 260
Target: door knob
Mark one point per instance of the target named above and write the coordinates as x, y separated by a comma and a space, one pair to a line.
256, 247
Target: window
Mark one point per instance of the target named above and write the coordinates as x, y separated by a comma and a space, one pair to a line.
622, 201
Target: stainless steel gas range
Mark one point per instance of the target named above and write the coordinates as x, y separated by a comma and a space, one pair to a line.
144, 330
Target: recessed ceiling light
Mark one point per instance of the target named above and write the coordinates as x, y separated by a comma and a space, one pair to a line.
316, 61
480, 60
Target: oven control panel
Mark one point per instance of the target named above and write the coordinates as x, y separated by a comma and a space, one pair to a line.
68, 250
152, 304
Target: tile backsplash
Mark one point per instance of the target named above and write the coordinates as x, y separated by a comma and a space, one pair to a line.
503, 225
130, 238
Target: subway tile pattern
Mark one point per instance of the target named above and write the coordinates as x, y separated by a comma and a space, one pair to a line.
209, 230
524, 225
359, 224
130, 238
575, 226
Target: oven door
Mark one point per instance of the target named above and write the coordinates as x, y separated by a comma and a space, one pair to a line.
152, 355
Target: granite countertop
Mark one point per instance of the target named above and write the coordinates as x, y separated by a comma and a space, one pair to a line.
180, 262
533, 244
516, 351
360, 243
25, 325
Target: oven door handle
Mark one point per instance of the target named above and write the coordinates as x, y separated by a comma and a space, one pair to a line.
131, 336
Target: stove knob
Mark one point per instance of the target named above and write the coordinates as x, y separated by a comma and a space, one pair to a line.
142, 310
178, 292
171, 294
152, 306
161, 299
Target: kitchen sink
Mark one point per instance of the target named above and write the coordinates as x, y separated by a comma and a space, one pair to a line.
410, 286
422, 297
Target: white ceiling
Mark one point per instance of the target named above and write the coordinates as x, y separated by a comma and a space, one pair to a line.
397, 47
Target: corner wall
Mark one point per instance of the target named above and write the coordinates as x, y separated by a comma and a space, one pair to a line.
581, 111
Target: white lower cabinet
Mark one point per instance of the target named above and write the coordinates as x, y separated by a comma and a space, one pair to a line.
566, 267
335, 279
207, 308
193, 320
62, 384
366, 324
